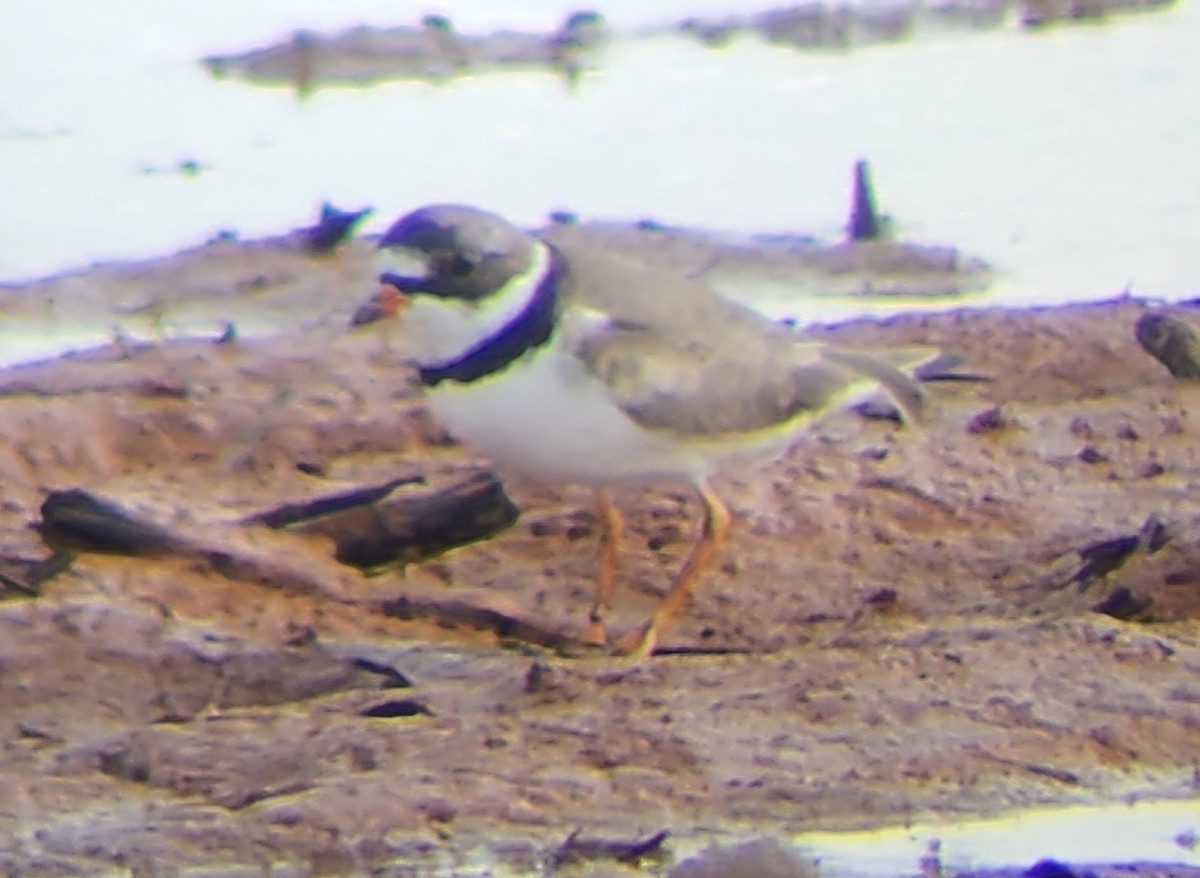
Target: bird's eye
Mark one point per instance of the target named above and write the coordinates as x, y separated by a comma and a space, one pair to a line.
459, 266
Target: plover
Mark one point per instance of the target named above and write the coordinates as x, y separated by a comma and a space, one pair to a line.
572, 364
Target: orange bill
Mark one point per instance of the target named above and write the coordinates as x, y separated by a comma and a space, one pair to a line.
388, 301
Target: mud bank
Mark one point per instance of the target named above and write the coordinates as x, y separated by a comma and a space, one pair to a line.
434, 50
994, 612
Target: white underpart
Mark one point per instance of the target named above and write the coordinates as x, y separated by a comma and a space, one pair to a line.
545, 415
548, 418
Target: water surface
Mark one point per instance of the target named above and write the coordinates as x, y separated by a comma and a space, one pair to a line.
1065, 157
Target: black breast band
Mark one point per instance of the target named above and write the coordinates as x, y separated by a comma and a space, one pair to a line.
528, 330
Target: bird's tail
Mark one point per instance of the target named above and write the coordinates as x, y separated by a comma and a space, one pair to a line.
891, 370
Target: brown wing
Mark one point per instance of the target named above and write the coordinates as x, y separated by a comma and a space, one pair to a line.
700, 389
677, 357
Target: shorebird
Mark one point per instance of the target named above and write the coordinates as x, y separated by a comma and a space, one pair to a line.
568, 363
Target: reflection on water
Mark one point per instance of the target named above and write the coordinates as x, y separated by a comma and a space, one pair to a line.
1155, 832
1066, 158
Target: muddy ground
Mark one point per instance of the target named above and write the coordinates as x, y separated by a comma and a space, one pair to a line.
434, 50
902, 625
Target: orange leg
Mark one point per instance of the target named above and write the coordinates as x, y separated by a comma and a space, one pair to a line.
610, 546
640, 644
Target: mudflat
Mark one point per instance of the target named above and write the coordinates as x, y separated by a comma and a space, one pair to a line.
994, 609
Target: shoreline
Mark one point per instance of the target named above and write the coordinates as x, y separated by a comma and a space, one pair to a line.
905, 623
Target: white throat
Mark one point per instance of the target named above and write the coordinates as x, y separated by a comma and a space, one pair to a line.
439, 331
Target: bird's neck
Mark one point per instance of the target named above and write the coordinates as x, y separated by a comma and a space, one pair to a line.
459, 340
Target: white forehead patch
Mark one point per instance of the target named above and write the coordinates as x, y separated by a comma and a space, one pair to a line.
404, 261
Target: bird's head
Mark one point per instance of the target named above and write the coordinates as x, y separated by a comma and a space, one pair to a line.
445, 251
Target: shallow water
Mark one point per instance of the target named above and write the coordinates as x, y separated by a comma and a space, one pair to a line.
1145, 832
1065, 157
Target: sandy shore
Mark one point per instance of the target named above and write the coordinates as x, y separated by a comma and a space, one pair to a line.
958, 620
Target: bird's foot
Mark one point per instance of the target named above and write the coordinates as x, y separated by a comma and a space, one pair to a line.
638, 644
596, 633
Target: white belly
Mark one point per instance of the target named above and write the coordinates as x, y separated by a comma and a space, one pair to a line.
547, 418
